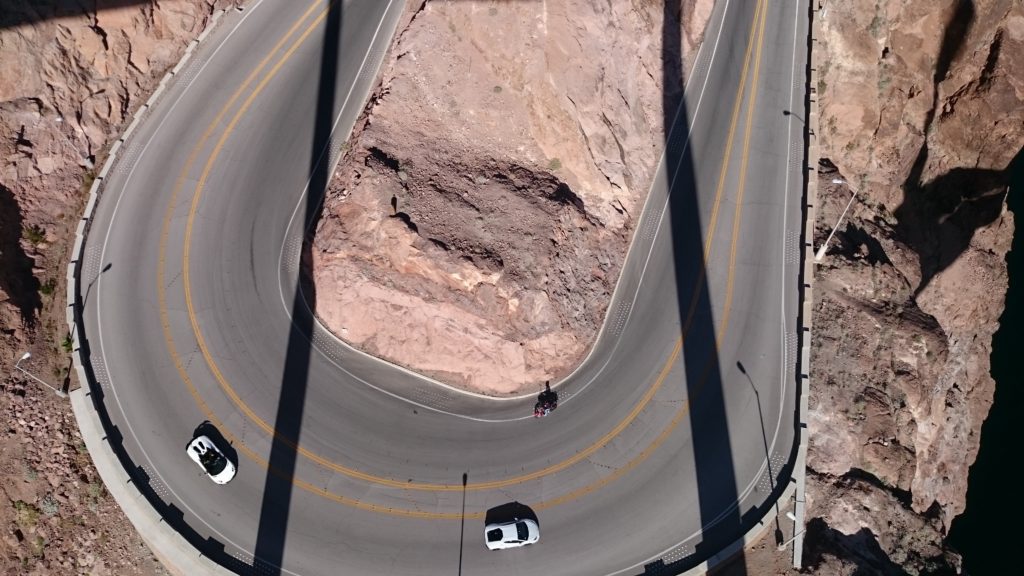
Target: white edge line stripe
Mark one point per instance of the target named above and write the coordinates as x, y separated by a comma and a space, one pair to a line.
782, 396
99, 284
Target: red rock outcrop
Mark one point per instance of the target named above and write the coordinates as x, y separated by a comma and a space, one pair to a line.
70, 79
922, 112
475, 229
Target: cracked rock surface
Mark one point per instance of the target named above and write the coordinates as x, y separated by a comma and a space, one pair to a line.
475, 228
922, 113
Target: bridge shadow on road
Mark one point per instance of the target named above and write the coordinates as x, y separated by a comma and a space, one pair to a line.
716, 476
277, 492
723, 521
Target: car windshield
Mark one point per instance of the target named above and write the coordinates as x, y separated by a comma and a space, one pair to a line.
494, 535
213, 462
522, 531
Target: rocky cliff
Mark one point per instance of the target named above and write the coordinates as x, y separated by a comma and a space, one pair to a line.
475, 228
71, 75
921, 114
70, 78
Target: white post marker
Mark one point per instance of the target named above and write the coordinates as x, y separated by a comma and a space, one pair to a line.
795, 533
26, 356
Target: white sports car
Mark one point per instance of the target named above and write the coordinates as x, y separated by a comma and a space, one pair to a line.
205, 453
511, 534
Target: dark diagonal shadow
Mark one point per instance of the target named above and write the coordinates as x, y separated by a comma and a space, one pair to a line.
462, 520
938, 218
713, 458
860, 549
15, 13
17, 280
277, 492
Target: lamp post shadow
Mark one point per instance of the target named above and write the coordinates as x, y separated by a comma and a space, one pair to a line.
462, 519
794, 115
767, 453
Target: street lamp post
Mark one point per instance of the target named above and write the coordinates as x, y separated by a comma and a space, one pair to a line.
17, 366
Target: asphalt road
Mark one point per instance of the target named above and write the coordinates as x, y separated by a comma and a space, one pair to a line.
669, 440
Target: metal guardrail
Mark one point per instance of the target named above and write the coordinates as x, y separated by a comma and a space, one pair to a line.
176, 552
85, 223
807, 282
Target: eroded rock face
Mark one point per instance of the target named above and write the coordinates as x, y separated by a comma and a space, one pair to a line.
867, 530
894, 72
476, 227
70, 78
922, 112
71, 75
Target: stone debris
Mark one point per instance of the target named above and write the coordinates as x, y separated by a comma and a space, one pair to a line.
55, 515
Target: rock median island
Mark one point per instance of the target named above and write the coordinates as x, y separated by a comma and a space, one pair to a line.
475, 229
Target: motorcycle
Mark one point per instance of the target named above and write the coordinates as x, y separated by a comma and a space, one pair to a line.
547, 401
544, 408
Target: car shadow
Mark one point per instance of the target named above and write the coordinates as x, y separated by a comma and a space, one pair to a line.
510, 512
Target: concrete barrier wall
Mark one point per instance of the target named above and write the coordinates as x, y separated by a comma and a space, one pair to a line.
176, 553
807, 282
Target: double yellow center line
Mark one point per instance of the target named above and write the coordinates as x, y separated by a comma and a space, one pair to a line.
757, 27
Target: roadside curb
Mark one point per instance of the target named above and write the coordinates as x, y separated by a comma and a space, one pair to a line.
751, 536
806, 314
796, 488
174, 551
85, 222
807, 295
176, 554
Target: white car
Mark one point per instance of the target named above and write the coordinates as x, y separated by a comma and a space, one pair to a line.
205, 453
511, 534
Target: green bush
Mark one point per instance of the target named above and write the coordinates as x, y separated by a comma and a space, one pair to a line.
49, 505
34, 234
28, 515
38, 545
